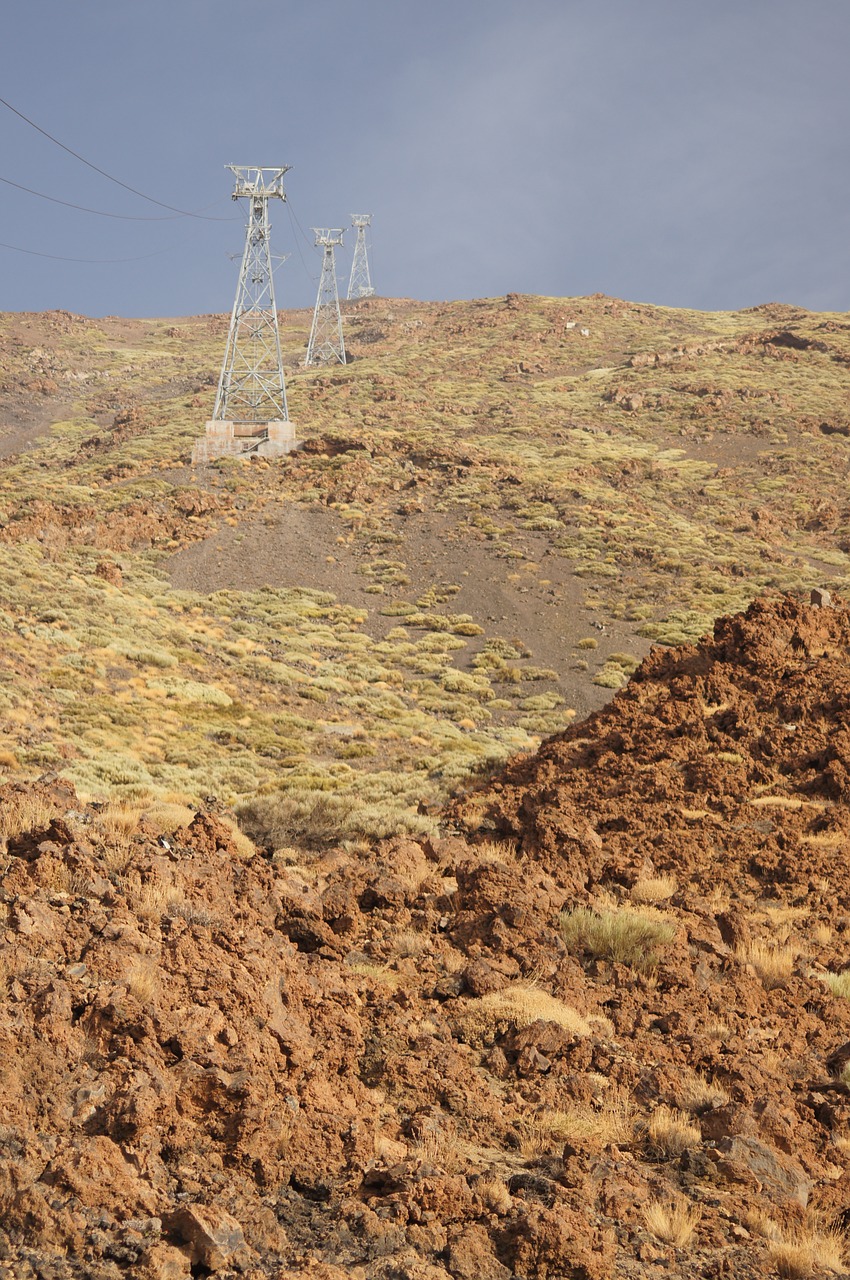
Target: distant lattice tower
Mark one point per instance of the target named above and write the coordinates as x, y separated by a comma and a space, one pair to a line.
326, 343
251, 414
360, 282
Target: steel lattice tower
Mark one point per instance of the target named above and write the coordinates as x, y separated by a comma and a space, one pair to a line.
360, 282
251, 388
326, 341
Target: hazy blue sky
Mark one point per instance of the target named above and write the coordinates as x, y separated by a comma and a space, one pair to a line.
670, 151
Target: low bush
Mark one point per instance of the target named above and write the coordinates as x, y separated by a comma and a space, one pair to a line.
622, 937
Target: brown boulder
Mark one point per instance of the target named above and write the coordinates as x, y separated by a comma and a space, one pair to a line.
479, 978
214, 1238
472, 1257
99, 1176
746, 1160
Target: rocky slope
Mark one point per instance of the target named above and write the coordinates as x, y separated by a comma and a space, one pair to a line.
599, 1027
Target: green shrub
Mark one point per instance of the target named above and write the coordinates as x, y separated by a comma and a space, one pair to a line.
623, 937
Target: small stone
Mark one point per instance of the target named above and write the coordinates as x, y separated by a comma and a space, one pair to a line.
821, 598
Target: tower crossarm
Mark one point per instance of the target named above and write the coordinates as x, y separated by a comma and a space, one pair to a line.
251, 180
328, 237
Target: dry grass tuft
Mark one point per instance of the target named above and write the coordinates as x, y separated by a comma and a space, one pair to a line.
497, 851
409, 944
22, 814
480, 1020
626, 937
675, 1223
773, 962
610, 1120
716, 1029
438, 1145
520, 1006
653, 889
697, 1094
192, 912
838, 983
153, 898
245, 847
143, 981
380, 973
670, 1132
802, 1251
775, 802
166, 816
494, 1195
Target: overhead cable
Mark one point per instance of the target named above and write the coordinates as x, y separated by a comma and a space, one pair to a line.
185, 213
58, 257
101, 213
293, 220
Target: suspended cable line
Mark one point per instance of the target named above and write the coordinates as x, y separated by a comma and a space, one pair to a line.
185, 213
101, 213
293, 220
58, 257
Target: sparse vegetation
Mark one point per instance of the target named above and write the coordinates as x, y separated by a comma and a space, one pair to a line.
695, 1093
839, 983
143, 981
519, 1006
188, 996
653, 889
674, 1223
805, 1250
669, 1132
773, 962
623, 936
609, 1119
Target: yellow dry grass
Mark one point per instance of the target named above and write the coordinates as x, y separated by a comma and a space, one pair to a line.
494, 1194
696, 1093
380, 973
520, 1006
806, 1250
653, 889
22, 814
153, 898
497, 851
838, 983
622, 936
669, 1132
143, 980
775, 802
611, 1119
674, 1223
773, 962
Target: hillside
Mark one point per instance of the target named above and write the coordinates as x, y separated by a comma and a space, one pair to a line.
599, 1027
501, 505
425, 856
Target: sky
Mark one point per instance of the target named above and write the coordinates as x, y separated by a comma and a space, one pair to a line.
664, 151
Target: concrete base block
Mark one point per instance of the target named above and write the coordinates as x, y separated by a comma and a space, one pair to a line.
238, 439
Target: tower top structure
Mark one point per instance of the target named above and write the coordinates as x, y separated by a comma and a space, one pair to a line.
253, 180
328, 237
